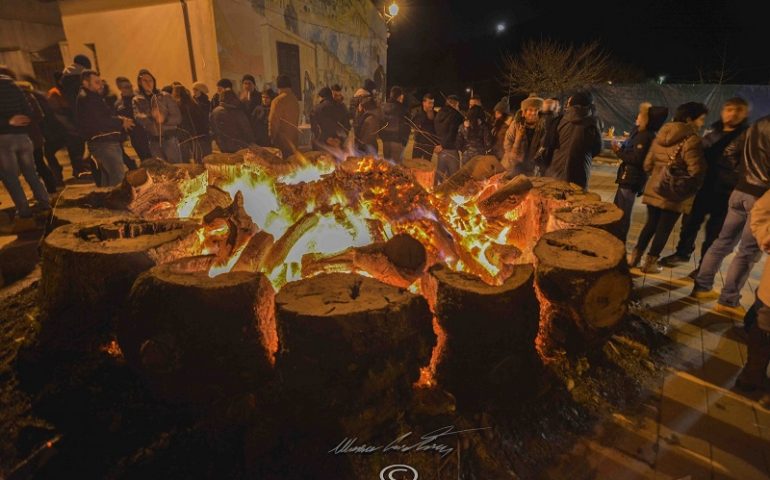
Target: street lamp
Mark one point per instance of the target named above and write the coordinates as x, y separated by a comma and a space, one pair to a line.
391, 11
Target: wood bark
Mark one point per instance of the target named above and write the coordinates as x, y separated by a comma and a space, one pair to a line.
505, 199
488, 333
196, 338
602, 215
88, 269
424, 172
583, 284
477, 169
347, 339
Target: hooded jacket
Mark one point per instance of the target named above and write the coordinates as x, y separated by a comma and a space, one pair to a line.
634, 150
230, 125
145, 102
522, 156
576, 140
665, 146
448, 121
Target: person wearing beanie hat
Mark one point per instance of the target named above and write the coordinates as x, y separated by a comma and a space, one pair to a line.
230, 124
361, 95
523, 144
631, 177
573, 140
224, 84
70, 87
159, 115
327, 120
82, 60
500, 124
250, 96
283, 120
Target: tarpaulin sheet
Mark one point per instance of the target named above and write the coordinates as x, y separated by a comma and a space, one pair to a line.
618, 105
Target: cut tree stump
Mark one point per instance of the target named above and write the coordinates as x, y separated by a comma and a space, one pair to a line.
603, 215
84, 204
583, 284
195, 338
424, 172
88, 269
345, 340
488, 350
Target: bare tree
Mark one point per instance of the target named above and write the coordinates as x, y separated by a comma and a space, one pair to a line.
552, 67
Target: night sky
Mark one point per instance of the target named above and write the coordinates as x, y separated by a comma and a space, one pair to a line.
446, 46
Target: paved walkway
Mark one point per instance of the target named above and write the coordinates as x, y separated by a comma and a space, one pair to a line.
694, 426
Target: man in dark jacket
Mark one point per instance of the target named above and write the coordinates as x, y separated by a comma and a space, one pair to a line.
631, 176
721, 177
754, 143
395, 131
367, 126
229, 124
159, 115
361, 95
125, 108
16, 149
70, 87
575, 140
328, 120
423, 123
448, 121
101, 128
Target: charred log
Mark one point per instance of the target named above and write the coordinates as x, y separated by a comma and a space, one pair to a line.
602, 215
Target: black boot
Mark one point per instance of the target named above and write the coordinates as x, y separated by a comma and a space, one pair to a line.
754, 374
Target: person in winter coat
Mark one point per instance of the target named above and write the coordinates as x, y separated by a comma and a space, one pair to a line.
395, 130
229, 124
721, 177
69, 86
631, 177
575, 140
328, 120
361, 95
501, 123
754, 145
283, 120
124, 107
250, 97
16, 149
102, 129
447, 122
422, 121
193, 131
367, 126
260, 117
35, 132
523, 145
474, 136
159, 115
201, 98
753, 377
678, 140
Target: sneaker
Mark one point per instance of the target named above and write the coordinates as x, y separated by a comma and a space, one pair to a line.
674, 260
729, 311
703, 294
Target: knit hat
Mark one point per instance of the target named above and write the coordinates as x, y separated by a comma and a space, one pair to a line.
225, 83
283, 81
249, 77
82, 60
325, 93
502, 106
532, 102
201, 87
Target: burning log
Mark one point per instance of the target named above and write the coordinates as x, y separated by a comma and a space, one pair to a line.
88, 269
194, 337
345, 340
280, 249
423, 171
489, 333
159, 190
255, 253
583, 283
399, 262
506, 198
477, 169
213, 198
603, 215
238, 227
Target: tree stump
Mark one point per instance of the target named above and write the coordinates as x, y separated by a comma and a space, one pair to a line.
583, 284
84, 204
602, 215
346, 340
88, 269
488, 350
194, 337
424, 172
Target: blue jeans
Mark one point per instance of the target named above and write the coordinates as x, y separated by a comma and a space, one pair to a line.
109, 156
166, 148
16, 154
624, 199
735, 229
448, 164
